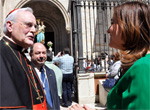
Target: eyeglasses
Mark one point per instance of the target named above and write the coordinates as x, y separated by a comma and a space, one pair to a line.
29, 25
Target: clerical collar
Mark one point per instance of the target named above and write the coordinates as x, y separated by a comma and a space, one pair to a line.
12, 43
10, 39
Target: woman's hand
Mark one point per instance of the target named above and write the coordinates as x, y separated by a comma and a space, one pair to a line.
79, 107
76, 107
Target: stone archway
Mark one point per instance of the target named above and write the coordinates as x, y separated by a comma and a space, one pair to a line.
55, 17
56, 3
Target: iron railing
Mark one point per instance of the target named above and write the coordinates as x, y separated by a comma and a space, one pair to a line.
90, 21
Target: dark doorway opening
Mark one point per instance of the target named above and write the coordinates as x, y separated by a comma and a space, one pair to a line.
49, 36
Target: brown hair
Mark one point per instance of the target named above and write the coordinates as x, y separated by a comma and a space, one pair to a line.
116, 56
134, 21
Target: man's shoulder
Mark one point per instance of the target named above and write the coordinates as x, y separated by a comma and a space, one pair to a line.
50, 70
69, 56
1, 41
47, 68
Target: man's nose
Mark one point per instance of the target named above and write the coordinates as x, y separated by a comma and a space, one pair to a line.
33, 29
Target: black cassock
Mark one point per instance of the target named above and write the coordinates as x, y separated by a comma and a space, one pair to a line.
17, 83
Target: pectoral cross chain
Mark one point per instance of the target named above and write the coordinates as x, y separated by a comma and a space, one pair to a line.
39, 98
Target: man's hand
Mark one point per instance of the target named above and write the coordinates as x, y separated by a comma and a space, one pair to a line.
59, 54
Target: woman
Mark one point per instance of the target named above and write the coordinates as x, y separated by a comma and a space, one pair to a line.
114, 68
130, 32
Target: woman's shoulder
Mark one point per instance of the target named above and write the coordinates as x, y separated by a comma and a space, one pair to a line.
143, 61
140, 68
118, 62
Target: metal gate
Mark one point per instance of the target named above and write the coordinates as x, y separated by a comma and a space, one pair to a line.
90, 21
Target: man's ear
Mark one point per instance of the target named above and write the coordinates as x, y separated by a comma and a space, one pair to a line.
9, 25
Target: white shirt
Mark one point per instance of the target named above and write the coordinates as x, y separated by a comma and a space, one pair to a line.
37, 69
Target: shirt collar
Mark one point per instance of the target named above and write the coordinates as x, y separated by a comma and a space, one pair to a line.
38, 68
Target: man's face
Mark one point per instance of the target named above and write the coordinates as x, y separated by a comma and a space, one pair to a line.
23, 29
39, 56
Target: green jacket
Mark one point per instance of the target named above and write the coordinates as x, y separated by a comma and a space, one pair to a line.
133, 90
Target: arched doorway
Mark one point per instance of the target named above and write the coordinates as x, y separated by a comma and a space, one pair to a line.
55, 19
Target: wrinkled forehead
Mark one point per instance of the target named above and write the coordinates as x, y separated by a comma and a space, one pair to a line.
25, 16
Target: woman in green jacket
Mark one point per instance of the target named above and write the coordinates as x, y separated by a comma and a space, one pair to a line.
130, 33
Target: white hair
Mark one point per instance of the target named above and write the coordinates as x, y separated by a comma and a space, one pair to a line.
12, 17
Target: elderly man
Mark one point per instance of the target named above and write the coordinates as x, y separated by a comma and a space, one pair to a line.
47, 76
20, 87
